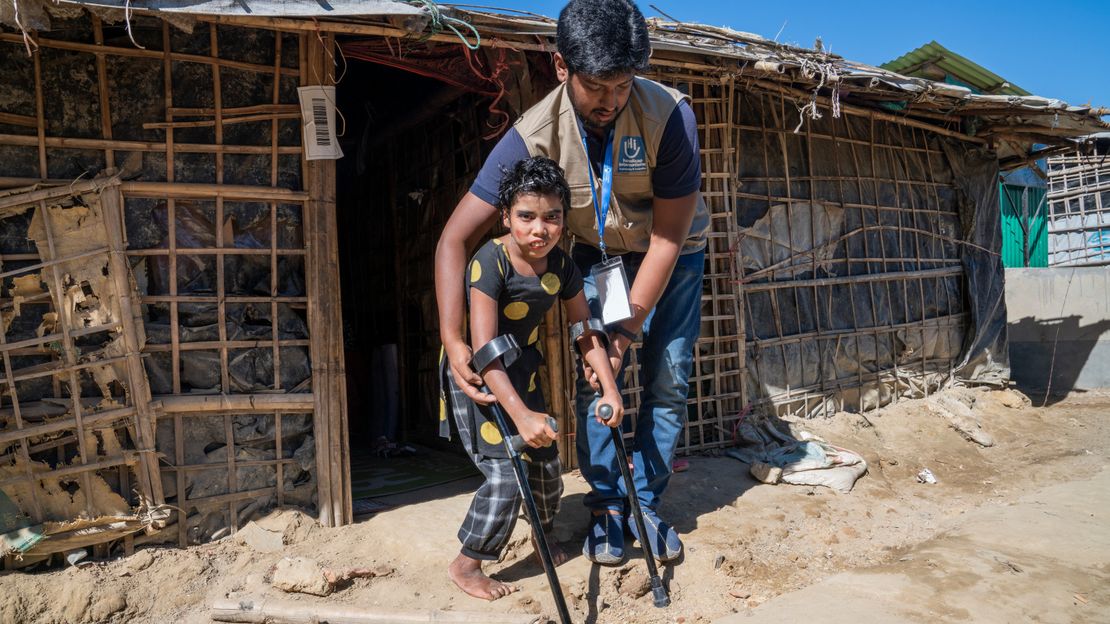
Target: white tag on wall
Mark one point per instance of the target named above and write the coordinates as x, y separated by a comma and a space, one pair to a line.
612, 290
318, 121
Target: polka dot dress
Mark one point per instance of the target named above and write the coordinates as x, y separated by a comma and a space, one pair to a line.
522, 302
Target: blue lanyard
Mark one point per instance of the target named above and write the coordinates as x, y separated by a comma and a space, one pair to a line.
601, 208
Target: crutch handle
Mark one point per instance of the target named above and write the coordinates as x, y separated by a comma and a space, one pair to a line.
518, 443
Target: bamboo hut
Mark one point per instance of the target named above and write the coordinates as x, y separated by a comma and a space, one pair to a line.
199, 318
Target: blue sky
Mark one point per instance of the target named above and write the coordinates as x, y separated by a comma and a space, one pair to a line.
1055, 49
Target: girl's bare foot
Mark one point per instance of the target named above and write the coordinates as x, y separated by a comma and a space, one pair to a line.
558, 555
468, 576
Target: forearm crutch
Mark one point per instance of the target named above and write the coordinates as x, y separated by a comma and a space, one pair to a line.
658, 591
506, 349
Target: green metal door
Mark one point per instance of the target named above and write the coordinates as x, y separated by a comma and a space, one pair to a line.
1024, 226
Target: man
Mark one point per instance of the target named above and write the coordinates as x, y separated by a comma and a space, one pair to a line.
652, 218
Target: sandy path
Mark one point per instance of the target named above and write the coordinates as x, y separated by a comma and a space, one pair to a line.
1044, 558
771, 552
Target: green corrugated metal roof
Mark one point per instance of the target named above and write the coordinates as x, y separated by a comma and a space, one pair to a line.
956, 66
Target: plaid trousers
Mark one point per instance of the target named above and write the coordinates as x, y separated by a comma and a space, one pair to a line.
493, 512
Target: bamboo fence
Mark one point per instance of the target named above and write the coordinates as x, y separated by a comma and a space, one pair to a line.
1079, 208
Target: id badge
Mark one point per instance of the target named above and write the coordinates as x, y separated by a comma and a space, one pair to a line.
612, 290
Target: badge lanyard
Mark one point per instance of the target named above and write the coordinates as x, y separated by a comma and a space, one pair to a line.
601, 208
609, 275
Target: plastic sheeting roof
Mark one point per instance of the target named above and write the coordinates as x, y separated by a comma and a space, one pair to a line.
261, 8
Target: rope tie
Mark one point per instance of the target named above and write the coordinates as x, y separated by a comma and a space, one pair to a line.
441, 21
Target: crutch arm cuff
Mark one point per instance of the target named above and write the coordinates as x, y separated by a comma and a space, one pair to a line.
587, 327
504, 348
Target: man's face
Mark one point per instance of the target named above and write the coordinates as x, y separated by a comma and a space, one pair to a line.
597, 101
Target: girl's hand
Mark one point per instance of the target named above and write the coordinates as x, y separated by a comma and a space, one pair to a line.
616, 359
614, 402
534, 430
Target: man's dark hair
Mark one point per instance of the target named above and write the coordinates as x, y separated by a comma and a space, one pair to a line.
533, 176
603, 38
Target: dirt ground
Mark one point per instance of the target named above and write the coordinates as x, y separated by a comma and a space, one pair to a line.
747, 544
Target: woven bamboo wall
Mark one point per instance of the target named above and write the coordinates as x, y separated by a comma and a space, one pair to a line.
849, 257
218, 229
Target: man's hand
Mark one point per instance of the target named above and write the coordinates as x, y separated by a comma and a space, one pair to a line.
458, 357
534, 430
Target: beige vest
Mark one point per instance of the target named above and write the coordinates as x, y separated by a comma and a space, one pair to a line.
550, 128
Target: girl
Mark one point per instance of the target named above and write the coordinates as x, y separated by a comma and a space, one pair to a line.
512, 281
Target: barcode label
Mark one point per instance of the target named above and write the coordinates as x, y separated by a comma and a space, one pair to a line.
320, 119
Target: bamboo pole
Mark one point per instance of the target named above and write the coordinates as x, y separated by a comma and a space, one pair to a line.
13, 119
171, 218
132, 52
848, 259
194, 190
45, 370
325, 320
39, 140
50, 264
329, 28
62, 424
226, 499
102, 90
216, 299
264, 610
225, 121
120, 273
211, 251
275, 96
221, 305
229, 344
43, 142
235, 111
215, 403
181, 508
83, 470
251, 463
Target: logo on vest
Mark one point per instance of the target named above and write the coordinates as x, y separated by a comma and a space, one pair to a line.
631, 155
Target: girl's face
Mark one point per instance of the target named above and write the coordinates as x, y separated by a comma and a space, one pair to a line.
535, 223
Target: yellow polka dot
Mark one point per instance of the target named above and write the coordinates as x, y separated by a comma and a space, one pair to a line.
442, 408
475, 272
442, 354
490, 433
534, 336
532, 383
550, 283
526, 457
516, 310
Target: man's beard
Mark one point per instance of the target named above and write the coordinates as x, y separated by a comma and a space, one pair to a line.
586, 121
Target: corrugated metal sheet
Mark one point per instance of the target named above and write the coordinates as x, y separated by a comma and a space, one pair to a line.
980, 78
1023, 205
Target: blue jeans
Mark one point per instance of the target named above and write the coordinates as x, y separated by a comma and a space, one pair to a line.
667, 355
